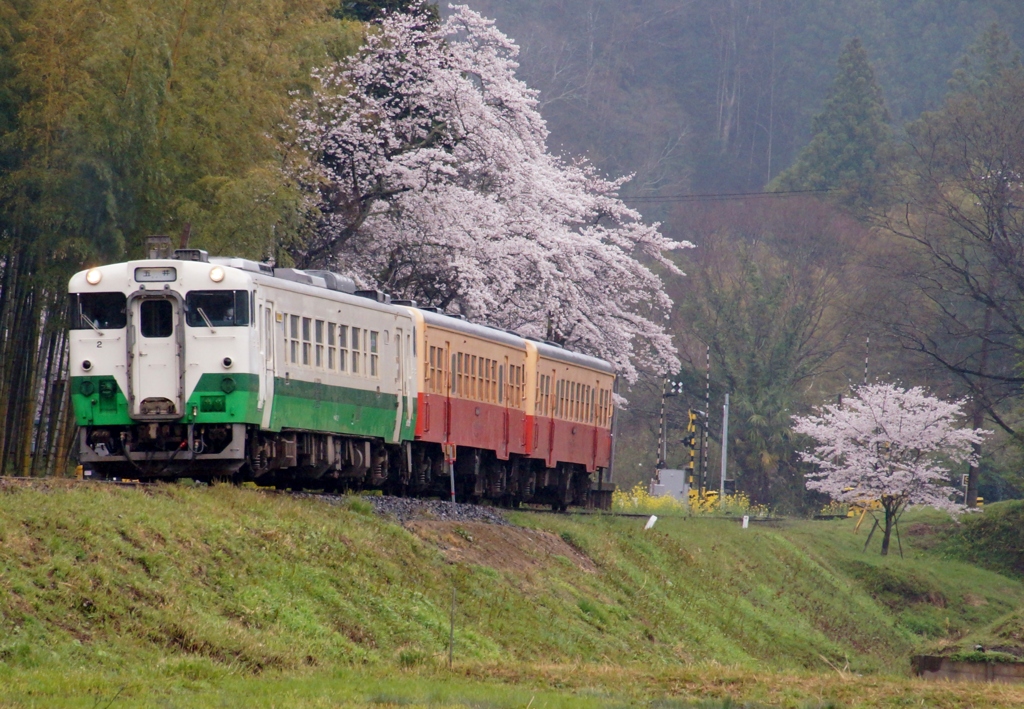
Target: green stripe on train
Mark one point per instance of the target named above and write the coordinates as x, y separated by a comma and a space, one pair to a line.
217, 398
99, 401
233, 398
319, 407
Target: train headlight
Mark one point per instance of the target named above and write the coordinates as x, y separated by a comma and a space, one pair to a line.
216, 274
93, 276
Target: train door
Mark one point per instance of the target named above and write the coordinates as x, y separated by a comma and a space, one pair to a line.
155, 338
448, 360
267, 341
556, 405
505, 414
401, 388
593, 423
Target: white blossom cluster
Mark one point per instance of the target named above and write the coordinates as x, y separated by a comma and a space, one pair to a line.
435, 183
891, 444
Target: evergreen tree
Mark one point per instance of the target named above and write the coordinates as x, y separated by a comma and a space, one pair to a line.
847, 153
983, 64
373, 10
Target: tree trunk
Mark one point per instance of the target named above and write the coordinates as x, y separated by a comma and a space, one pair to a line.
890, 516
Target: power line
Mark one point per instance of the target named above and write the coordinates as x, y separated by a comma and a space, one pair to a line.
720, 196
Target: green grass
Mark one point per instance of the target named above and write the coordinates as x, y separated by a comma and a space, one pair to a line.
180, 593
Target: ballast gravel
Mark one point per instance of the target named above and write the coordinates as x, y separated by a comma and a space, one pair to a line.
407, 509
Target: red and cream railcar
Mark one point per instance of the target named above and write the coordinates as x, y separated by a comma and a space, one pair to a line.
473, 389
527, 421
571, 407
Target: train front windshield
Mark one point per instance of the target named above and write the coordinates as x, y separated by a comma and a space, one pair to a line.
222, 308
98, 310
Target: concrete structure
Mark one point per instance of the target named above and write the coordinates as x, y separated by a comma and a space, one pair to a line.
671, 482
933, 667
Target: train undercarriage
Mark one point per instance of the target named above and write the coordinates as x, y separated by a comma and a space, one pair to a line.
334, 463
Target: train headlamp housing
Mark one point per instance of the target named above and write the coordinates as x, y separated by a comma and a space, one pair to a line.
216, 274
93, 276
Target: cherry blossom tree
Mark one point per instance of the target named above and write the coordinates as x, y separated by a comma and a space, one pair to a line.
888, 444
433, 181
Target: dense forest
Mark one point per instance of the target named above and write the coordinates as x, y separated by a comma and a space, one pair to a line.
849, 173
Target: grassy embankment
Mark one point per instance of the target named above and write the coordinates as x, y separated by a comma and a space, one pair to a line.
230, 597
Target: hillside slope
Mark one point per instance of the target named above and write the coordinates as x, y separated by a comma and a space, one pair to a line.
184, 579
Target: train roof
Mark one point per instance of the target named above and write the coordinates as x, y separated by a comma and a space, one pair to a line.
343, 289
470, 328
568, 356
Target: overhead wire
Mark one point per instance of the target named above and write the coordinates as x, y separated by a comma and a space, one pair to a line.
720, 196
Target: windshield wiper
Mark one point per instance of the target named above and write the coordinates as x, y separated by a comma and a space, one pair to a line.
206, 320
91, 324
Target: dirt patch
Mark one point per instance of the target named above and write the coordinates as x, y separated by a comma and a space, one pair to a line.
974, 600
920, 529
502, 547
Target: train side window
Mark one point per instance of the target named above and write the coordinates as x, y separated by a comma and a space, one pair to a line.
294, 339
474, 373
451, 376
432, 369
307, 344
318, 339
485, 379
374, 361
494, 380
355, 350
332, 345
342, 348
501, 384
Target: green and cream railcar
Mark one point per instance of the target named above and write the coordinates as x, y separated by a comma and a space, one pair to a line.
215, 366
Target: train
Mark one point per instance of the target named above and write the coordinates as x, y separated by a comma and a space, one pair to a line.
184, 365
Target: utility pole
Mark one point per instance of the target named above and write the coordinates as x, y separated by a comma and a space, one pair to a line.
725, 448
662, 443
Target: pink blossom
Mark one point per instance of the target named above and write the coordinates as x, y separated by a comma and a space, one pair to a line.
433, 180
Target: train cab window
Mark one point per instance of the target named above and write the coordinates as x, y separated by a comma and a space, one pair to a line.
217, 308
332, 346
100, 310
374, 361
156, 318
342, 348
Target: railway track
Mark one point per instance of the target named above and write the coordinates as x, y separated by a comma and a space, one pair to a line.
403, 508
